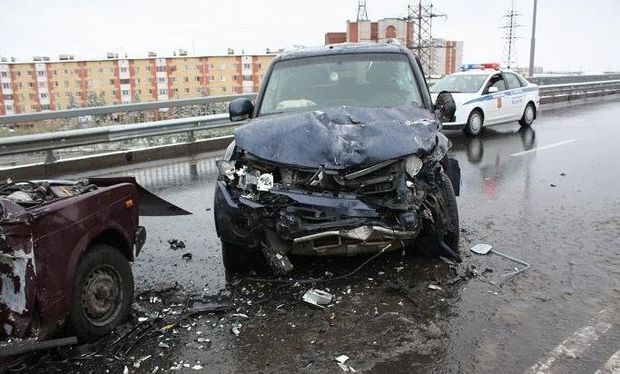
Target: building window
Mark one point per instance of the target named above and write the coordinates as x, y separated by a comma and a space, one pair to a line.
247, 78
30, 84
197, 79
66, 84
187, 90
100, 70
41, 84
161, 80
43, 95
41, 73
45, 107
6, 85
3, 74
138, 80
187, 79
212, 78
185, 68
176, 90
148, 68
197, 67
139, 92
77, 83
77, 71
163, 91
9, 107
31, 96
123, 69
56, 84
223, 89
161, 69
112, 81
125, 92
247, 66
234, 77
260, 65
148, 80
67, 94
113, 93
223, 67
137, 70
173, 79
223, 79
19, 73
150, 91
8, 97
125, 81
54, 72
111, 70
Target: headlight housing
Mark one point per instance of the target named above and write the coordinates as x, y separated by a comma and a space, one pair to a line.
413, 165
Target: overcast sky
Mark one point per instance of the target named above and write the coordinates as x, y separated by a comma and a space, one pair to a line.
572, 34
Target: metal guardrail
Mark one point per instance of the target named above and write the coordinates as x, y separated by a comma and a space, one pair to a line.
119, 108
563, 79
116, 133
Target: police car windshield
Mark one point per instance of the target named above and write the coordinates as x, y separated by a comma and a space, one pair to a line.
370, 80
466, 83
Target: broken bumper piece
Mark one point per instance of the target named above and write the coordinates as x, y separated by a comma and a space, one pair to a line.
311, 224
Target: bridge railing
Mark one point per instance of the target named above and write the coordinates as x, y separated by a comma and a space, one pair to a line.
185, 130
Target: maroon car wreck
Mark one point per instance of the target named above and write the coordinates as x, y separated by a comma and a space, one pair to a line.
65, 253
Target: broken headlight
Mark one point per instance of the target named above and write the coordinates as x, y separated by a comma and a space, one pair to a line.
226, 168
413, 165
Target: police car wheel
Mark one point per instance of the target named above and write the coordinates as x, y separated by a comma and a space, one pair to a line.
474, 123
528, 115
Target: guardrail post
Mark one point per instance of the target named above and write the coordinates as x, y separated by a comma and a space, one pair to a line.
190, 137
50, 158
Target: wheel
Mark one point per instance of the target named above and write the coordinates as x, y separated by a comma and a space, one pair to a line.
103, 292
448, 198
444, 209
528, 115
238, 258
474, 123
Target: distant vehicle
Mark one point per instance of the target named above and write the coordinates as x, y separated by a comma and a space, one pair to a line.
486, 95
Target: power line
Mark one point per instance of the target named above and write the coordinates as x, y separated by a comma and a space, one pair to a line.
422, 15
510, 35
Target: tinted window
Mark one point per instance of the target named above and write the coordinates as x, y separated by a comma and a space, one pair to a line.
362, 80
513, 81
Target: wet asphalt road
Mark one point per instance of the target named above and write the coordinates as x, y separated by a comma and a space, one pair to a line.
556, 207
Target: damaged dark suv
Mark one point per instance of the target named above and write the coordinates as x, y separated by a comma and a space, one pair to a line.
343, 156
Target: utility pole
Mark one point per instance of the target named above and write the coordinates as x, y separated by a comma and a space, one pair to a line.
533, 42
422, 15
362, 14
511, 35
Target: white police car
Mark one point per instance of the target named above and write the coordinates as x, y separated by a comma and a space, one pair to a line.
485, 95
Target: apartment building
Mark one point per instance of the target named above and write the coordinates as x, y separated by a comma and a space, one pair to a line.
43, 84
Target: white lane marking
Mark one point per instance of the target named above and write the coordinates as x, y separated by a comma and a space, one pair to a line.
543, 147
612, 366
577, 343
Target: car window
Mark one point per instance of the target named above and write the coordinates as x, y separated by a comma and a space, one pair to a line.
496, 81
513, 81
522, 81
364, 80
459, 83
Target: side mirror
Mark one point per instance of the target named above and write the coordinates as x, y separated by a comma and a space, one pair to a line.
493, 89
445, 106
240, 109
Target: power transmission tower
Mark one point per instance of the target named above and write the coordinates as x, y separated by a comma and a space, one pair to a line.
362, 14
510, 35
422, 15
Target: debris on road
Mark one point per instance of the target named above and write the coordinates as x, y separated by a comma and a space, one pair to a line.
435, 287
176, 244
187, 256
317, 298
342, 359
483, 249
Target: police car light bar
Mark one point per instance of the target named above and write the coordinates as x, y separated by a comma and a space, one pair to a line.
488, 65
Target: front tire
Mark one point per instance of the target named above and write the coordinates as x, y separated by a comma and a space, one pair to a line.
528, 115
475, 122
103, 293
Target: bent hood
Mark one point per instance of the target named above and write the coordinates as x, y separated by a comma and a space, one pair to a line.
341, 137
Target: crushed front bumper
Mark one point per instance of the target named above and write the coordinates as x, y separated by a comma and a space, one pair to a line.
313, 223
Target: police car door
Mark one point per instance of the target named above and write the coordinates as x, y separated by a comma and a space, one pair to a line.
514, 96
495, 105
